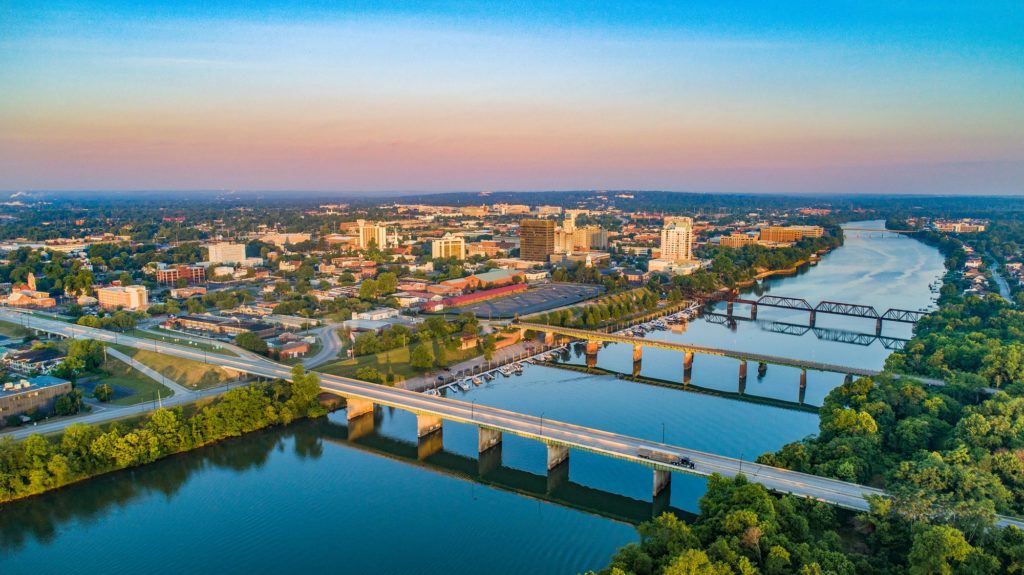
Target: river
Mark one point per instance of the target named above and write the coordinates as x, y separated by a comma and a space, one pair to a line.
308, 497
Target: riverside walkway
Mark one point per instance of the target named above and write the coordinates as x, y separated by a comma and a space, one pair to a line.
492, 422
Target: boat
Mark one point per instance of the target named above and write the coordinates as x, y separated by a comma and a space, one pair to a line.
489, 376
477, 381
464, 385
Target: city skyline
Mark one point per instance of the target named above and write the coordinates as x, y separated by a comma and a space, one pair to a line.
461, 97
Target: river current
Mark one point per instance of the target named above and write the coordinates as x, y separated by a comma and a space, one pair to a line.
309, 497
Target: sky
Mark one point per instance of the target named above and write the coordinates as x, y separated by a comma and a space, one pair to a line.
780, 97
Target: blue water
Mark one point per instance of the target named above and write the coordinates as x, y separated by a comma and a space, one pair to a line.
307, 498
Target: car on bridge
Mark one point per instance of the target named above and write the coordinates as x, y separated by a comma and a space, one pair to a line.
664, 457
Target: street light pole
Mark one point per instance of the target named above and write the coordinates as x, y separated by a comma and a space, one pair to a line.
542, 424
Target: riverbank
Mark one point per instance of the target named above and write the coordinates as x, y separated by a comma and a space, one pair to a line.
39, 464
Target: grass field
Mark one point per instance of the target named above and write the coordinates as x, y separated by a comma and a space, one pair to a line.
117, 373
399, 362
186, 372
13, 330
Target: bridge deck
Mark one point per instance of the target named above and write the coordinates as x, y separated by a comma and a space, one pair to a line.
676, 346
836, 492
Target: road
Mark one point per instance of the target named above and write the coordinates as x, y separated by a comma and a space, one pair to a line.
840, 493
330, 345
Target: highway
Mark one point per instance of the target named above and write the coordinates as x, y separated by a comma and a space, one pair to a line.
840, 493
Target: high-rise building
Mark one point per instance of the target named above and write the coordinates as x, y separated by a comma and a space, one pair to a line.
226, 253
677, 239
370, 232
448, 247
537, 239
124, 297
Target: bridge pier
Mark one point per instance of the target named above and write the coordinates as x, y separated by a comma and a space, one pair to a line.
557, 455
753, 311
762, 369
427, 424
687, 365
638, 355
878, 326
361, 426
813, 319
549, 338
487, 439
803, 385
743, 377
848, 379
430, 444
489, 460
356, 407
557, 477
662, 481
728, 308
591, 353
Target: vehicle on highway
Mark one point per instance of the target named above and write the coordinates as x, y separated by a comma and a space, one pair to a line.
664, 457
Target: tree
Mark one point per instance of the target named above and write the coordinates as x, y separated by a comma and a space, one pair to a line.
488, 345
387, 283
368, 290
69, 403
935, 548
103, 392
421, 358
252, 342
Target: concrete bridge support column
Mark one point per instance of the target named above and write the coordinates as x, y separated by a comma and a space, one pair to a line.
549, 338
878, 326
762, 369
430, 444
662, 481
356, 407
728, 309
813, 319
743, 377
688, 361
557, 455
591, 354
803, 384
638, 355
427, 424
489, 460
487, 438
360, 426
753, 311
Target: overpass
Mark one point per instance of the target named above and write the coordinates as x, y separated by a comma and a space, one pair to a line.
491, 422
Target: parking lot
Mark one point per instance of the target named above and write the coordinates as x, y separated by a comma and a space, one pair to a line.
541, 298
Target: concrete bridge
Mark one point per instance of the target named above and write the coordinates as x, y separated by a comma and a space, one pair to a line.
362, 399
827, 307
594, 339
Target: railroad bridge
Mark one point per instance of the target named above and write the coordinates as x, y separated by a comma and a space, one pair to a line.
827, 307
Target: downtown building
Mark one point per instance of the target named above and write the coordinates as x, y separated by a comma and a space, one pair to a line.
450, 246
537, 240
123, 297
226, 253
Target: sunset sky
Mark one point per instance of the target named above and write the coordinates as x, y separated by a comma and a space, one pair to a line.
350, 96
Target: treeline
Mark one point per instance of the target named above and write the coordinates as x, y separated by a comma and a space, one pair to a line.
744, 530
39, 464
608, 309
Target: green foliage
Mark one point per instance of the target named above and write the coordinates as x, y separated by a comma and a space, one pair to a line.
37, 464
422, 357
103, 392
252, 342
